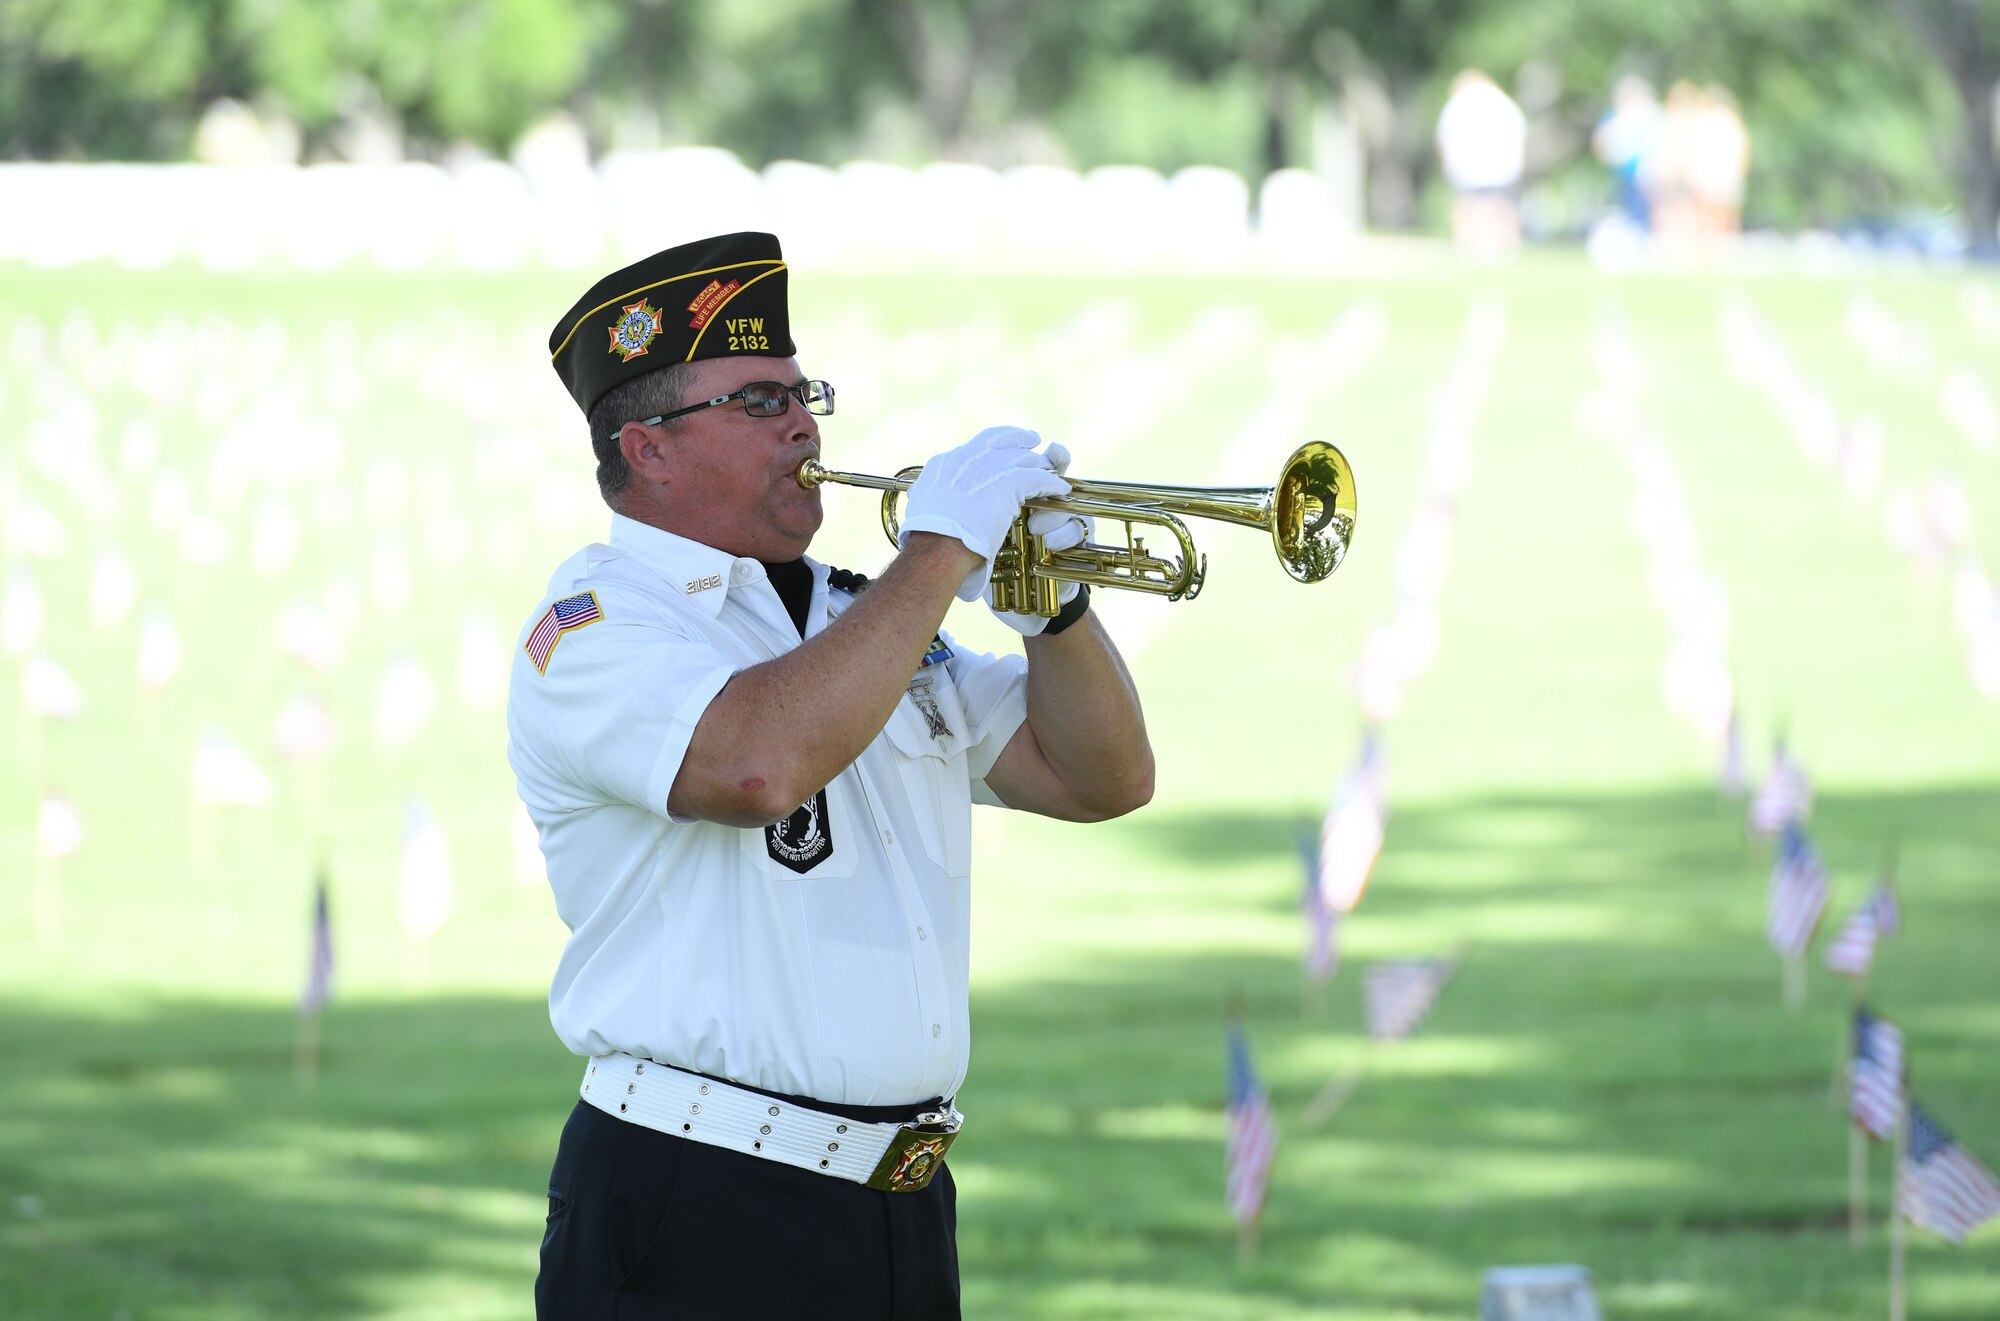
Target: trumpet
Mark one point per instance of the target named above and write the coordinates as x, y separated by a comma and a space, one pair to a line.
1309, 513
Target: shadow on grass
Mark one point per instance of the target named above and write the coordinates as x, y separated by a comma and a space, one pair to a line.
166, 1155
1610, 1079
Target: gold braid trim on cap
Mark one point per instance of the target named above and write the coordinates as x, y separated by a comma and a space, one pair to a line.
716, 315
673, 279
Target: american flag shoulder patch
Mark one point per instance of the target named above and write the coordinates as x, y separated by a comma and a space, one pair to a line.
571, 612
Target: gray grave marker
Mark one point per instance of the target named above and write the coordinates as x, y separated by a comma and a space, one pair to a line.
1539, 1293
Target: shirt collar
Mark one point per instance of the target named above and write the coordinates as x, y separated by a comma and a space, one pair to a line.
702, 574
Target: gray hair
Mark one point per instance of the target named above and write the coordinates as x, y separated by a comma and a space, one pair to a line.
641, 397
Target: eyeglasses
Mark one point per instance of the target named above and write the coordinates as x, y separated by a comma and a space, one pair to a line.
762, 399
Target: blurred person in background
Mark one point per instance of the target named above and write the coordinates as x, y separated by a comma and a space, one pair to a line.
1482, 141
1628, 138
752, 782
1677, 213
1719, 166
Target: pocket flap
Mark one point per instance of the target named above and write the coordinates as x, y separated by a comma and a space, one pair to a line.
929, 722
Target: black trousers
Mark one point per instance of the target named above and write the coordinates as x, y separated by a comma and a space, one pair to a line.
643, 1225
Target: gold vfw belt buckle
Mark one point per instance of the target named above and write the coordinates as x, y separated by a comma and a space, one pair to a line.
916, 1153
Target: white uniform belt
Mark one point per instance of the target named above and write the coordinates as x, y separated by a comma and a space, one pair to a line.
891, 1157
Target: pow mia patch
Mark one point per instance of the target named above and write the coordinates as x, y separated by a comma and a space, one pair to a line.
804, 839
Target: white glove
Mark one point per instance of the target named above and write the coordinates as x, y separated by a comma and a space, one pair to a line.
1058, 531
974, 494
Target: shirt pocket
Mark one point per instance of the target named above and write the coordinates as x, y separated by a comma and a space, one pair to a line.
936, 779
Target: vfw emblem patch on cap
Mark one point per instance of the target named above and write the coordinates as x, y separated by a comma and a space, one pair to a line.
803, 839
637, 327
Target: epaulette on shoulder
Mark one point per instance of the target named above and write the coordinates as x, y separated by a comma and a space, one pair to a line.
846, 580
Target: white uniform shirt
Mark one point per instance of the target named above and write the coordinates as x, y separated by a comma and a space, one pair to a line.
692, 943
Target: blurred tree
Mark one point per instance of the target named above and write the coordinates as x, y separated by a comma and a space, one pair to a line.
108, 78
477, 70
952, 51
1841, 103
130, 78
1379, 55
1965, 37
634, 64
784, 79
1846, 103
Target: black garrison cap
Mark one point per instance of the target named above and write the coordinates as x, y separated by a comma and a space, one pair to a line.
714, 298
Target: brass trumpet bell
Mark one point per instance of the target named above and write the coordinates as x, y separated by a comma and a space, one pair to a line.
1309, 514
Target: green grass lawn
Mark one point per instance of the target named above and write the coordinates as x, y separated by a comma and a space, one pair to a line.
1610, 1080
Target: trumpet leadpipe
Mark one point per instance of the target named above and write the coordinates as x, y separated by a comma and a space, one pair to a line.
1309, 514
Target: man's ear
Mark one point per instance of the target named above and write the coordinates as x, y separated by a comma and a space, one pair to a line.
645, 451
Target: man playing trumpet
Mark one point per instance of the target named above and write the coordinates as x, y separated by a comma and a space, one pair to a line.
753, 783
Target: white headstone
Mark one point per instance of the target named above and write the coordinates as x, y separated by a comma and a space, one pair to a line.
20, 614
1123, 206
391, 581
566, 217
303, 731
204, 541
226, 775
490, 216
798, 195
483, 662
33, 529
170, 502
324, 225
1538, 1293
1969, 407
427, 891
408, 214
274, 538
114, 588
957, 204
235, 219
58, 827
1040, 209
305, 632
655, 199
159, 652
403, 703
1297, 221
48, 691
1209, 211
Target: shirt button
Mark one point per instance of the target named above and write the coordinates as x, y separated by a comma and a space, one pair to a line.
922, 934
889, 838
937, 1030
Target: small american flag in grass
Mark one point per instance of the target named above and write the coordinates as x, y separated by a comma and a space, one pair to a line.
1253, 1134
1852, 950
1940, 1185
1350, 837
1398, 995
1784, 799
1798, 895
1322, 958
1876, 1072
1888, 911
319, 968
1732, 775
566, 614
